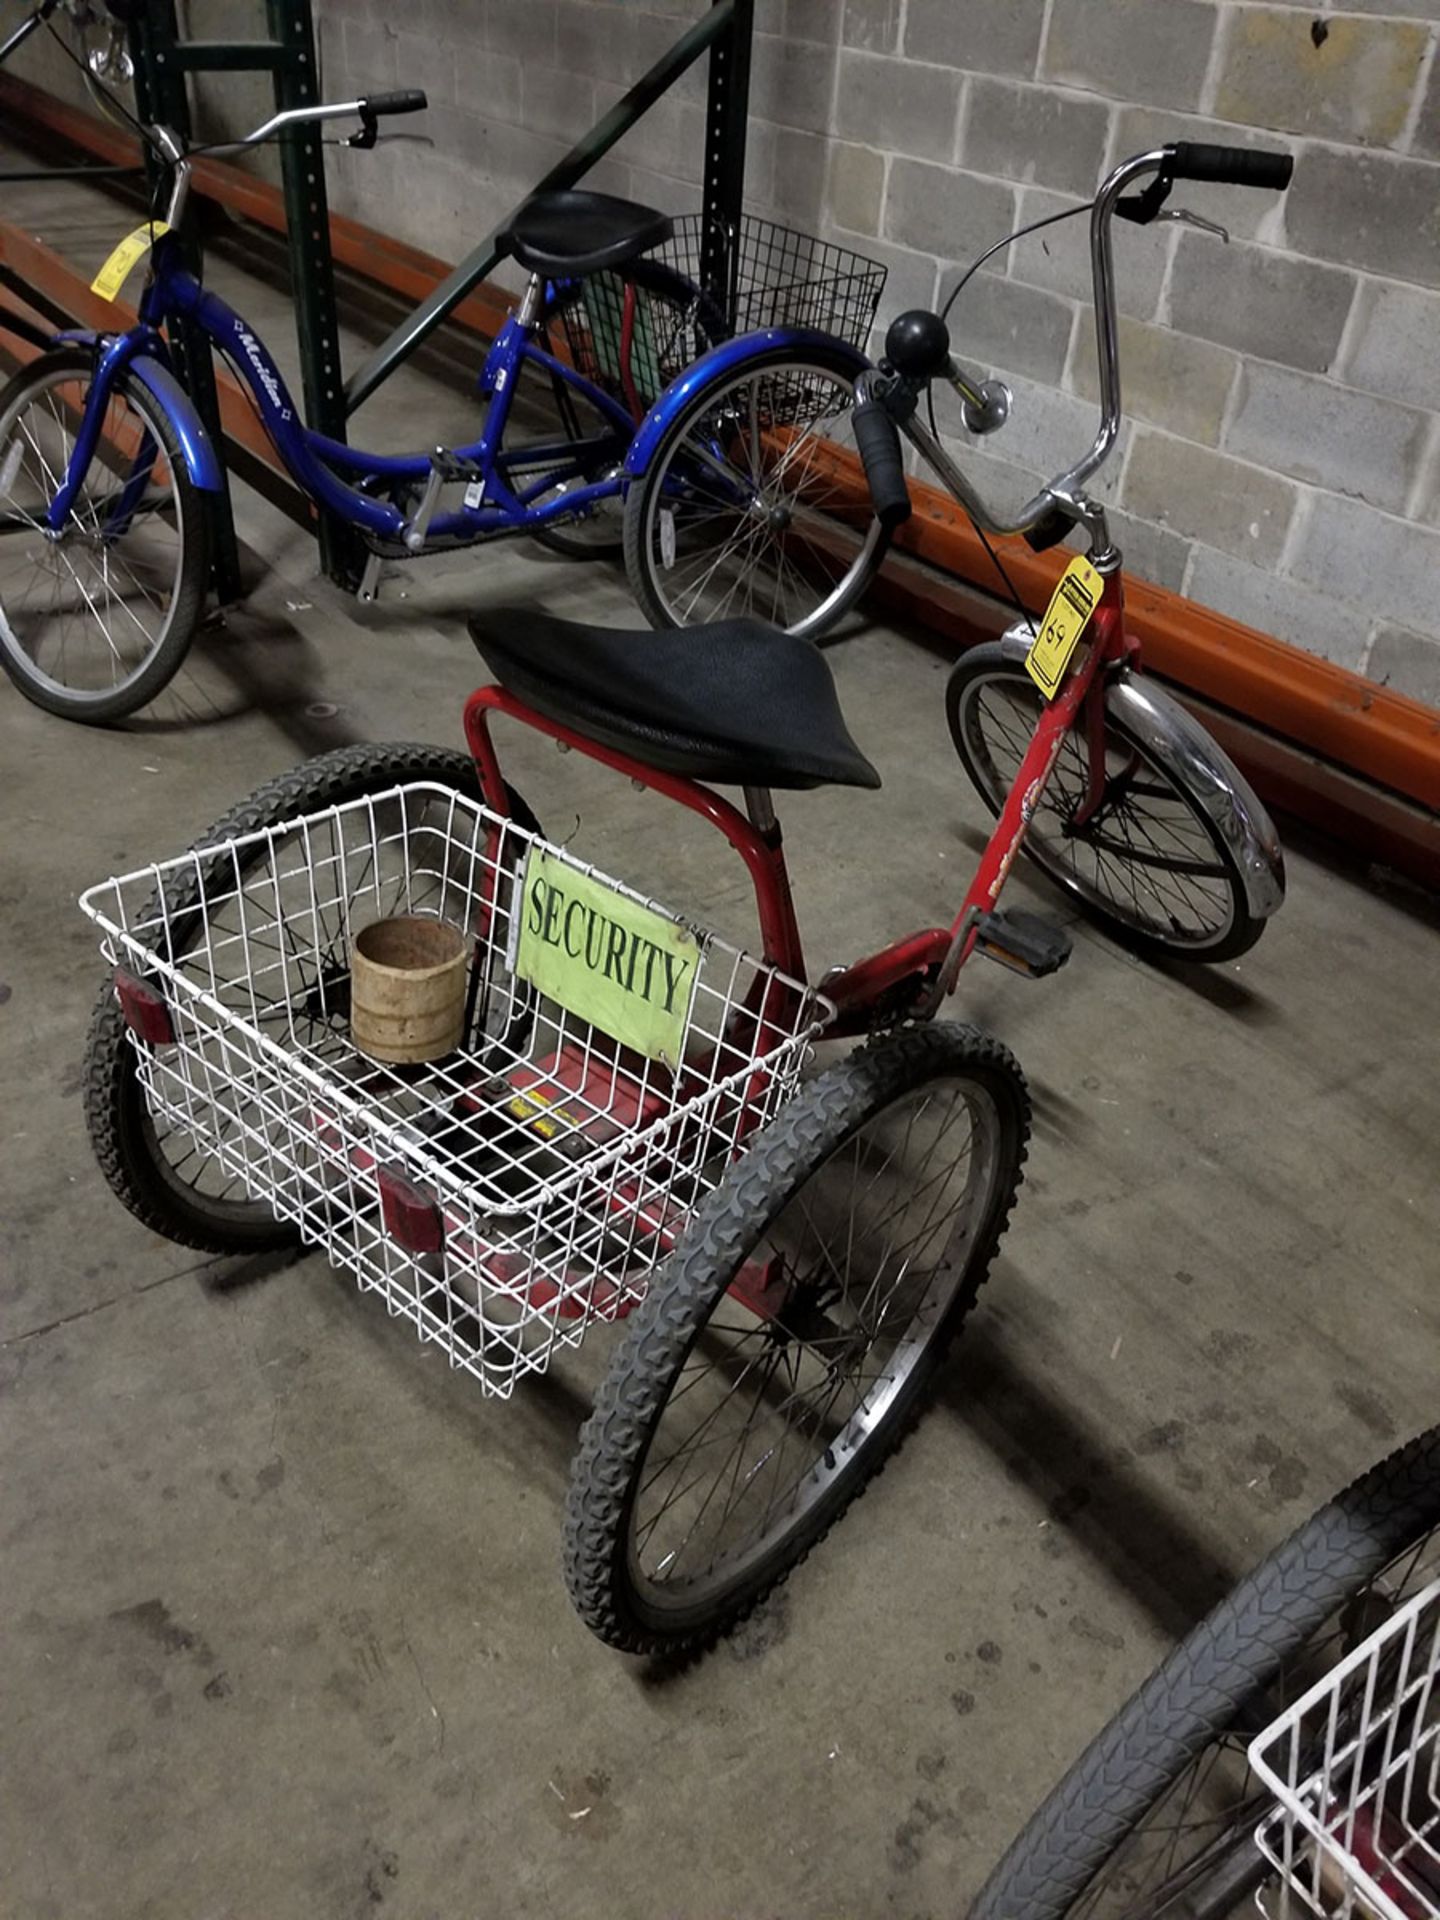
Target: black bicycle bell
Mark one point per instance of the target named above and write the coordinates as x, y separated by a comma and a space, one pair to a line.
918, 344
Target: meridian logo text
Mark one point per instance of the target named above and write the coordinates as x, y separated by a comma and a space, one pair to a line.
263, 373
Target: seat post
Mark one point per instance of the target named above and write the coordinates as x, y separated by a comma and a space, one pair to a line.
759, 848
761, 810
531, 302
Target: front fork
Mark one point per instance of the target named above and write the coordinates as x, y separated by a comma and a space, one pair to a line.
1019, 810
109, 368
1081, 700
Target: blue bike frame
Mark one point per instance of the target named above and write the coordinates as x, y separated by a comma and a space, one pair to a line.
320, 466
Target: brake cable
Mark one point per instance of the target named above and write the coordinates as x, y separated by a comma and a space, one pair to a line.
1020, 233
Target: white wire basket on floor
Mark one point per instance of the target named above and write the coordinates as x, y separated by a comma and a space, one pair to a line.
1355, 1768
504, 1199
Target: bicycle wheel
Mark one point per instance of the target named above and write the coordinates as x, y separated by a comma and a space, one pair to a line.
169, 1181
783, 1350
673, 324
1158, 1815
750, 504
93, 624
1148, 864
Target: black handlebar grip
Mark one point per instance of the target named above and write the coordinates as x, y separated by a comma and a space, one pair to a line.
407, 100
879, 444
1231, 166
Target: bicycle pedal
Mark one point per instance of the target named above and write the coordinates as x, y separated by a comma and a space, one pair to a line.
1024, 942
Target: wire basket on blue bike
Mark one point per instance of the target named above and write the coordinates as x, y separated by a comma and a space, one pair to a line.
636, 330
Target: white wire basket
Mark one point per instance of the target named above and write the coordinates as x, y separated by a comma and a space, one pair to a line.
504, 1199
1354, 1766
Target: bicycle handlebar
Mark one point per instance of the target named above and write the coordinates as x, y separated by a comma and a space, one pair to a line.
366, 110
1064, 497
1231, 166
1237, 166
368, 107
877, 439
406, 100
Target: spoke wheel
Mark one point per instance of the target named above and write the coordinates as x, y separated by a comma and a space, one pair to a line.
95, 620
1157, 1817
749, 507
782, 1352
191, 1192
1147, 863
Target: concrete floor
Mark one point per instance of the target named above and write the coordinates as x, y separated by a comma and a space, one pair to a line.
282, 1630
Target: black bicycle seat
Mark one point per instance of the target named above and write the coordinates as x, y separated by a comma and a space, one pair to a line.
572, 232
739, 702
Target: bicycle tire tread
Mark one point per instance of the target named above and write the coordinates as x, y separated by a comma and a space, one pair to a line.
635, 1388
990, 658
1200, 1688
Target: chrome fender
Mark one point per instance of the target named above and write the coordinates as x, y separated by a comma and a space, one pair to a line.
1198, 764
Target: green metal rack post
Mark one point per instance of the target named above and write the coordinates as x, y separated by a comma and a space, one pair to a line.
726, 117
163, 62
161, 100
726, 33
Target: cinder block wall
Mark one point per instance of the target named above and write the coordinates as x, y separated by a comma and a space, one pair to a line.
1281, 461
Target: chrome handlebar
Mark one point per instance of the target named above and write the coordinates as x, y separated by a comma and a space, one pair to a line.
290, 117
365, 110
986, 404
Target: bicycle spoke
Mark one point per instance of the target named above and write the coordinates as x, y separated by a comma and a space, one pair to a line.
85, 615
757, 452
755, 1424
1142, 855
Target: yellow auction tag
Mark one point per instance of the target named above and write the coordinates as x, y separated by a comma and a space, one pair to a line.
1066, 618
117, 269
607, 958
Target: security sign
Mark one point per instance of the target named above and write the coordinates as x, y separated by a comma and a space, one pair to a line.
607, 958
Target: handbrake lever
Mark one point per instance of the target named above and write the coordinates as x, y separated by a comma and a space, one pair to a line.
366, 134
1188, 219
1143, 207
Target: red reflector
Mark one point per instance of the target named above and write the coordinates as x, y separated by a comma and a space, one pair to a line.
761, 1286
146, 1013
411, 1220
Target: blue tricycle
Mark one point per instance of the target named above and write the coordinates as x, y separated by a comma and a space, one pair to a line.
104, 459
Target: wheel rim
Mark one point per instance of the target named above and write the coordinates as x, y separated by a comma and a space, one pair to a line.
799, 1364
1192, 1856
1146, 858
280, 989
85, 615
749, 514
